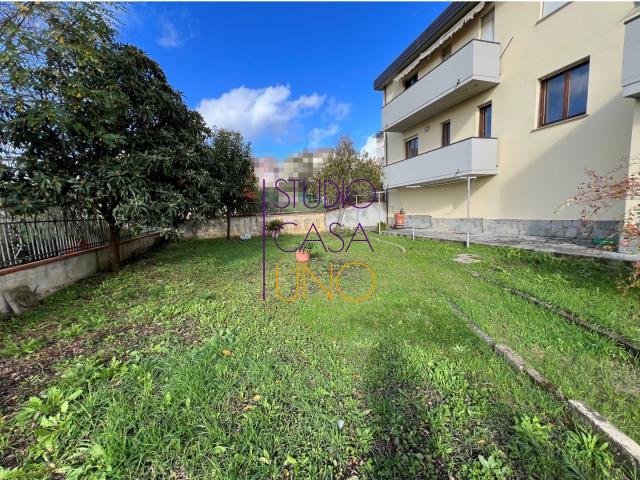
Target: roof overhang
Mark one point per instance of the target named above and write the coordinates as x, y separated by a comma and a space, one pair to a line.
433, 32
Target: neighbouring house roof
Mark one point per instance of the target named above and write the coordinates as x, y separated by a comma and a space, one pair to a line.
439, 26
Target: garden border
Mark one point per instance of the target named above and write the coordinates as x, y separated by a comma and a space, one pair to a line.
622, 341
623, 447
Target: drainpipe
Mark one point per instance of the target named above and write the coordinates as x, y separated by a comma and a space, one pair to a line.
378, 212
386, 201
469, 209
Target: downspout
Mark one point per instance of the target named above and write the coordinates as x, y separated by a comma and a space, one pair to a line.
469, 210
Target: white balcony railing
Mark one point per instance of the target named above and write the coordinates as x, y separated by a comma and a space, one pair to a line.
469, 71
473, 156
631, 58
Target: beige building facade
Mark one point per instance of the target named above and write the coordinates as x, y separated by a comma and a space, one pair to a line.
521, 99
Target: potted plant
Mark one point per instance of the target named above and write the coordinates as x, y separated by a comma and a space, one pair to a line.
275, 226
399, 218
303, 252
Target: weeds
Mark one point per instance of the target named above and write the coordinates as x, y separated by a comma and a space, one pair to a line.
175, 369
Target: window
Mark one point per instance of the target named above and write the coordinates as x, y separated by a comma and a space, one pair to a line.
564, 95
485, 121
411, 80
446, 133
411, 148
549, 7
487, 29
446, 51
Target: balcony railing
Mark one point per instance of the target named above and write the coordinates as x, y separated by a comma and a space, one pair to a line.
471, 157
630, 58
469, 71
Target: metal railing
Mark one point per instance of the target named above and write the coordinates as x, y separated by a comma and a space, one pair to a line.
24, 240
255, 208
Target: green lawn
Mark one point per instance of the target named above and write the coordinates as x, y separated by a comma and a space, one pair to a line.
175, 368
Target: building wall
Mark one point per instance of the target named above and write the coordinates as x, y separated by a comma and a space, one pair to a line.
253, 225
366, 216
47, 276
632, 206
539, 168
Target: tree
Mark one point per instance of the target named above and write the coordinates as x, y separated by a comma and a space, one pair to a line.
344, 166
233, 162
96, 127
601, 192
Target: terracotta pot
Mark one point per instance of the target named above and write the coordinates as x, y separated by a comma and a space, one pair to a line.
399, 219
302, 255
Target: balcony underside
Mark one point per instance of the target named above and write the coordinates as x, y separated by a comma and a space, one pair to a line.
471, 70
456, 95
471, 157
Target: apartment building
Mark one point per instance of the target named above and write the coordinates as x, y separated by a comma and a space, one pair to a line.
500, 107
300, 166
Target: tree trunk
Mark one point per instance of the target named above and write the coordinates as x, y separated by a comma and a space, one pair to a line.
228, 225
114, 248
340, 214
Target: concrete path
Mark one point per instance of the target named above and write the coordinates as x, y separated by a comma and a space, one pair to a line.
540, 244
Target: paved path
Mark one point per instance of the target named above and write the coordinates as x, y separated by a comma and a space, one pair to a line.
540, 244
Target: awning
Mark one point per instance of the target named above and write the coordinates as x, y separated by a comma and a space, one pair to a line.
444, 38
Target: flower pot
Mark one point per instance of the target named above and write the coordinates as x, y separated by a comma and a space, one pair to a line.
302, 255
399, 219
275, 233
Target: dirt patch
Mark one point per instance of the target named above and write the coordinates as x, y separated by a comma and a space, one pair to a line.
30, 374
467, 258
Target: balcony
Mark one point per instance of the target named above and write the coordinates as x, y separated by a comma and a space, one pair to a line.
630, 56
473, 156
469, 71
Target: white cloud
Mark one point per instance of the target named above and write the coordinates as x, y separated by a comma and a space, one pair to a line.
257, 112
338, 110
318, 135
374, 147
171, 36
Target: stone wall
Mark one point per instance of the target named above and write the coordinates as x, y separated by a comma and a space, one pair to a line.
367, 217
570, 229
253, 225
46, 276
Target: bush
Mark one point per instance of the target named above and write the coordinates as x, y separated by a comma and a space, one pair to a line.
275, 225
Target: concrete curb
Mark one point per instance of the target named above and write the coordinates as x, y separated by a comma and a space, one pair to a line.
621, 445
624, 448
622, 341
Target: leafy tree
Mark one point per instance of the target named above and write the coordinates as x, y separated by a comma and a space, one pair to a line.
233, 162
344, 166
94, 125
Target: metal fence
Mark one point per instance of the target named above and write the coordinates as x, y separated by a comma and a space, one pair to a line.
255, 208
24, 240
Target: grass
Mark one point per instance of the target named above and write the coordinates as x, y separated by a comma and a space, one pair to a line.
586, 287
175, 368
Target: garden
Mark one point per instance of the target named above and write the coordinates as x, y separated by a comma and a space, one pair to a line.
175, 367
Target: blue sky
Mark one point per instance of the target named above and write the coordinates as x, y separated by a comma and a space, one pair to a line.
289, 76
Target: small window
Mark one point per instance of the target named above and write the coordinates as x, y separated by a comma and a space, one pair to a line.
549, 7
564, 95
485, 121
413, 79
487, 28
411, 148
446, 133
446, 51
